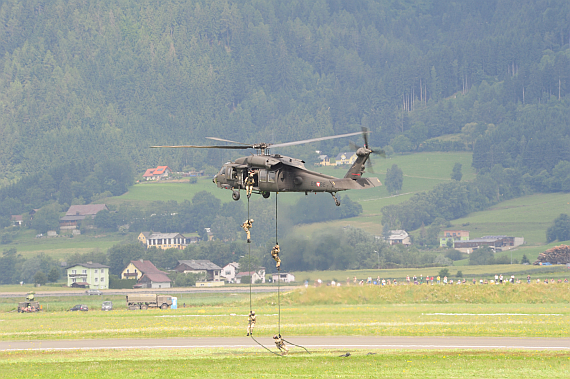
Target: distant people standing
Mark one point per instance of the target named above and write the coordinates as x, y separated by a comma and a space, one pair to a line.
438, 279
528, 279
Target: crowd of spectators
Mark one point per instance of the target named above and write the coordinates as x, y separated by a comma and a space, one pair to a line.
437, 280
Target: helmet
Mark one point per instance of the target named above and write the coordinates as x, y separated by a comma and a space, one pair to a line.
253, 312
275, 336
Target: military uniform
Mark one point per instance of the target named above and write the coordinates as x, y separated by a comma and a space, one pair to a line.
249, 184
246, 226
275, 255
280, 343
251, 323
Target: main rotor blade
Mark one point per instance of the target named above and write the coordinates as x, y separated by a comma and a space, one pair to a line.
313, 140
204, 147
227, 140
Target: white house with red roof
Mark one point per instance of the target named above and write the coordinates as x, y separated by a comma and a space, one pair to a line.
158, 173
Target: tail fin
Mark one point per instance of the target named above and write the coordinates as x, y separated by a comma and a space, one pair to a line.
357, 169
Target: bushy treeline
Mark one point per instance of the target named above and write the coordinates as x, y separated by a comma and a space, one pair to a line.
77, 182
455, 199
108, 79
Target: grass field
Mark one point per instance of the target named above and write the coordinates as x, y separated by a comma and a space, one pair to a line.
507, 310
61, 246
527, 217
251, 363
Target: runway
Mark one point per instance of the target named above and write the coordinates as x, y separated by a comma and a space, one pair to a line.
344, 343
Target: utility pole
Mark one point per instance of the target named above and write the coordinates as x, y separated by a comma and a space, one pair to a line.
378, 266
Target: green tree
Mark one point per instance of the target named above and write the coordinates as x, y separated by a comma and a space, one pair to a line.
401, 144
53, 275
443, 272
46, 219
394, 179
40, 278
559, 230
456, 172
121, 255
481, 256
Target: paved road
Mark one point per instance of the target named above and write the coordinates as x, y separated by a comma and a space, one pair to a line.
170, 291
341, 343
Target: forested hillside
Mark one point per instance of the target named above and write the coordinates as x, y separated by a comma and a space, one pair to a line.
87, 81
111, 78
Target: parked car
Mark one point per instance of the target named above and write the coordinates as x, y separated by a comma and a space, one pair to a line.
107, 306
79, 307
93, 292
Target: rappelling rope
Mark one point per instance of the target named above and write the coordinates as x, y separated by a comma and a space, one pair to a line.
250, 284
279, 286
278, 271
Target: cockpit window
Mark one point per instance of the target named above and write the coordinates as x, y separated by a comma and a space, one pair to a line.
223, 170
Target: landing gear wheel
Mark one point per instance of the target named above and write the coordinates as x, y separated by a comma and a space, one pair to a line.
265, 195
235, 195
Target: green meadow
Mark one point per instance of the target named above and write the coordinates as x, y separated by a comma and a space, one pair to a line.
527, 217
536, 310
254, 363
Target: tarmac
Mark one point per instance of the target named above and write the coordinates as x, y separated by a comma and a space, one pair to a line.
344, 343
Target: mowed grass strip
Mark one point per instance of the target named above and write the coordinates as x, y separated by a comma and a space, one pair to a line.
257, 363
367, 311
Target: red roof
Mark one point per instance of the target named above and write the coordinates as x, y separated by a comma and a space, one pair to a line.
160, 170
149, 172
145, 266
83, 210
156, 277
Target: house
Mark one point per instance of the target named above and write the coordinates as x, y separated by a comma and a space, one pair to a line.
164, 240
399, 237
88, 275
136, 269
283, 277
345, 158
16, 220
256, 276
453, 235
147, 275
230, 271
76, 213
154, 280
161, 172
324, 160
496, 243
143, 237
210, 270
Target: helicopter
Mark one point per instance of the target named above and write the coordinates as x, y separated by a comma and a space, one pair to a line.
279, 173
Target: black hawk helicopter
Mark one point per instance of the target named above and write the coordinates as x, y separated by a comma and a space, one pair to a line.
278, 173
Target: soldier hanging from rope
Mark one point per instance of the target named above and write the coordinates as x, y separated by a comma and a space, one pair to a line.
246, 226
251, 323
275, 255
249, 184
280, 343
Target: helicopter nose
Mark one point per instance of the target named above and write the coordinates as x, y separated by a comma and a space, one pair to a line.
215, 180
